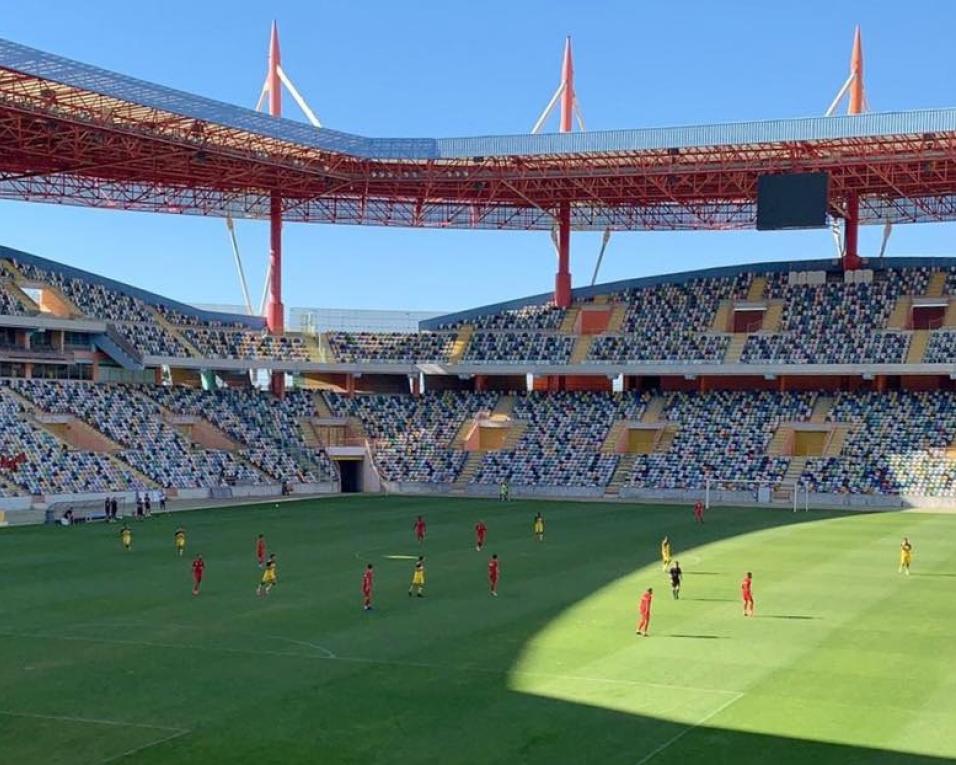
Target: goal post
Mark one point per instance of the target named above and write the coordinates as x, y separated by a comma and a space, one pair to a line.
727, 490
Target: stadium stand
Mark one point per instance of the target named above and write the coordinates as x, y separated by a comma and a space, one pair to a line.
264, 426
391, 346
411, 436
519, 347
835, 322
150, 445
941, 348
561, 445
898, 445
49, 466
228, 344
535, 316
722, 434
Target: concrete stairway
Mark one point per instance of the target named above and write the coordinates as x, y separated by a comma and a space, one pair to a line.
515, 432
309, 435
917, 347
757, 289
834, 444
621, 476
14, 289
321, 406
937, 284
460, 345
148, 482
468, 470
721, 321
505, 406
780, 442
582, 346
821, 408
666, 438
795, 469
735, 349
614, 437
458, 442
569, 321
654, 411
616, 320
175, 332
773, 316
900, 315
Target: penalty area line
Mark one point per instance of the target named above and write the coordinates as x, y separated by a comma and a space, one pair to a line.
680, 734
171, 733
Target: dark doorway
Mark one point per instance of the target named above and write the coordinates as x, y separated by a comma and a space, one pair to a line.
351, 473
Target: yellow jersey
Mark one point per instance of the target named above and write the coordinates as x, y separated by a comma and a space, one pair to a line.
418, 577
906, 551
180, 539
269, 575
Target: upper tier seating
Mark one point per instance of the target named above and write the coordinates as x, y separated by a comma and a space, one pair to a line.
229, 344
837, 323
665, 346
897, 446
540, 316
150, 445
411, 436
519, 347
358, 347
561, 445
721, 434
9, 305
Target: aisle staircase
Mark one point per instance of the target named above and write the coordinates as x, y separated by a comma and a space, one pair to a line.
616, 321
780, 442
614, 437
937, 284
821, 408
621, 476
175, 332
666, 438
900, 315
654, 410
505, 406
735, 349
460, 345
468, 470
18, 294
834, 444
322, 406
582, 346
773, 316
917, 347
569, 321
757, 289
795, 469
721, 321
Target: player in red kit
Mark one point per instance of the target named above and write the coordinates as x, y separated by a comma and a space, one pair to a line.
699, 511
494, 571
261, 550
480, 531
367, 578
420, 529
199, 566
746, 590
645, 610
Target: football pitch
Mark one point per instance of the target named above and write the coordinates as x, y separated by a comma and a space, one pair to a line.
106, 657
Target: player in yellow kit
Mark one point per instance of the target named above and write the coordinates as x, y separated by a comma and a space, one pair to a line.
538, 527
906, 556
665, 553
180, 537
269, 577
126, 537
418, 578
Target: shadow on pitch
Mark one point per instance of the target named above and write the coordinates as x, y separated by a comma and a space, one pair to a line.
795, 617
712, 600
696, 637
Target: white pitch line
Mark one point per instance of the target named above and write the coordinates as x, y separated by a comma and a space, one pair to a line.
328, 656
680, 734
172, 733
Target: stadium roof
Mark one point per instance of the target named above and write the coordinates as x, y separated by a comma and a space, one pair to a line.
74, 133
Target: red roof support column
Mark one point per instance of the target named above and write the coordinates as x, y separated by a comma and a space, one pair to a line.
562, 280
851, 230
275, 311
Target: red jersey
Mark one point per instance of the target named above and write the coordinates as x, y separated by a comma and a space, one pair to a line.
698, 508
480, 530
745, 586
646, 603
198, 568
420, 528
493, 569
367, 582
260, 548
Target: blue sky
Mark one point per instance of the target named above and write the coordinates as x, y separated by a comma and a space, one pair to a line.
445, 68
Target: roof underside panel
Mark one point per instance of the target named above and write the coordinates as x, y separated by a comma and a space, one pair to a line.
64, 71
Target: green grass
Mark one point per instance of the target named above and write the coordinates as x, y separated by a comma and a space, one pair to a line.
105, 656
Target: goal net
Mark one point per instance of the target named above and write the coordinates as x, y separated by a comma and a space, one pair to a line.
728, 491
